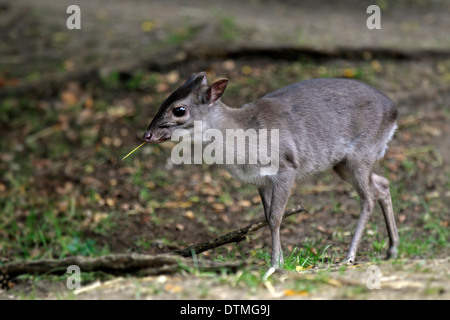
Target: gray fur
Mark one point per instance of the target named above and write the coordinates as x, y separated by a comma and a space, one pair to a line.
323, 123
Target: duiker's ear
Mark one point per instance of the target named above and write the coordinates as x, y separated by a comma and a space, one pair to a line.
216, 90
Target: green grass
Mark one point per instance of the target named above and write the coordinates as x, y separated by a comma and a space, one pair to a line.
228, 29
428, 239
136, 80
111, 80
45, 234
379, 247
310, 255
143, 244
182, 35
298, 260
225, 198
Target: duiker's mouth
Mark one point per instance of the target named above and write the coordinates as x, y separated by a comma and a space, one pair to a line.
150, 137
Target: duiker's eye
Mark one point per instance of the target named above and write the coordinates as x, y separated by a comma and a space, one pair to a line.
179, 112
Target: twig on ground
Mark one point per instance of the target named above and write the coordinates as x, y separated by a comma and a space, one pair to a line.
234, 236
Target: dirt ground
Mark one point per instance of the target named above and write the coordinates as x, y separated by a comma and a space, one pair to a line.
74, 102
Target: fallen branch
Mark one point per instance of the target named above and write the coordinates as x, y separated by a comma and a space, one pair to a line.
234, 236
133, 263
141, 264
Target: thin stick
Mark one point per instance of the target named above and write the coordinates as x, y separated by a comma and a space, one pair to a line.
134, 150
234, 236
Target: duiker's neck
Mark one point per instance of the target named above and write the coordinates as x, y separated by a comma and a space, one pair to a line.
225, 117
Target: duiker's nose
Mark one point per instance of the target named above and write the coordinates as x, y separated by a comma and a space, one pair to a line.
148, 136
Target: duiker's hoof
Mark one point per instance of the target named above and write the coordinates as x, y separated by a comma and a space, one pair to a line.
392, 253
269, 273
348, 261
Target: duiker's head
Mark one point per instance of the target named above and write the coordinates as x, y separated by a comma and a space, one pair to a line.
190, 102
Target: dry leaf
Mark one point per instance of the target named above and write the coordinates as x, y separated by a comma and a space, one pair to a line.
300, 268
432, 195
180, 192
69, 97
290, 292
323, 229
225, 218
147, 26
247, 70
106, 140
229, 65
207, 178
162, 87
189, 214
245, 203
100, 216
334, 282
88, 102
256, 199
218, 207
349, 73
376, 66
173, 288
150, 184
69, 65
354, 266
432, 131
110, 202
178, 204
173, 77
211, 190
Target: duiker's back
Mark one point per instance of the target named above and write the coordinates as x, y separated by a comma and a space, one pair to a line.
322, 121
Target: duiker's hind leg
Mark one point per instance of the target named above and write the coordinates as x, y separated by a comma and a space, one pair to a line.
359, 175
382, 194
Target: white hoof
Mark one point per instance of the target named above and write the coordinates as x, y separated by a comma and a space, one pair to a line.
269, 273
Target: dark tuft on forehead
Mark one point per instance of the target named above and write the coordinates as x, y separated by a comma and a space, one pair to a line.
182, 92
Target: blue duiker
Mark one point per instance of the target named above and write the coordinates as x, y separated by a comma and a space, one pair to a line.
341, 124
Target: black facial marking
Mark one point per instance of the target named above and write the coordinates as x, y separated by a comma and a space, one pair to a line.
182, 92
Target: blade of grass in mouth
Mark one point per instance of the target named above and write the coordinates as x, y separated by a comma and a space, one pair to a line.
134, 150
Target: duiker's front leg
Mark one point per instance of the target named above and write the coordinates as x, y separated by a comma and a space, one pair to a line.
281, 188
